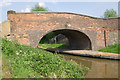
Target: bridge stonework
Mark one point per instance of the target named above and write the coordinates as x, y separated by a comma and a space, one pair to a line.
29, 28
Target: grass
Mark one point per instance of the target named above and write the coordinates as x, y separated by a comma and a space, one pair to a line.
53, 46
29, 62
5, 67
0, 65
112, 49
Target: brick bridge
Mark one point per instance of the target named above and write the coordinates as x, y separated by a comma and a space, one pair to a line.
83, 32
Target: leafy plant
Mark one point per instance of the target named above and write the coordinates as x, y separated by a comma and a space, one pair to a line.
29, 62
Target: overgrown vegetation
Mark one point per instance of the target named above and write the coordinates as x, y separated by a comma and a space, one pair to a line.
45, 46
112, 49
29, 62
47, 37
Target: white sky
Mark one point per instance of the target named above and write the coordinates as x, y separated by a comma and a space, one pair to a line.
94, 8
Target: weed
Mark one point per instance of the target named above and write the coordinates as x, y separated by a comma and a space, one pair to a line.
29, 62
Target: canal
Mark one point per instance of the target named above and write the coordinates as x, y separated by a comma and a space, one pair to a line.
99, 68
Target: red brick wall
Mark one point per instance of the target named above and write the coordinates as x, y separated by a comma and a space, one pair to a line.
29, 28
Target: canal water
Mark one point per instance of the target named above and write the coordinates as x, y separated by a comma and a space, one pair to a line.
99, 68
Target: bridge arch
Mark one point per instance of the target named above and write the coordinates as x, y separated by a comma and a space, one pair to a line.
29, 28
78, 40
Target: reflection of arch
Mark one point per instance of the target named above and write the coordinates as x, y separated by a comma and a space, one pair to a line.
77, 39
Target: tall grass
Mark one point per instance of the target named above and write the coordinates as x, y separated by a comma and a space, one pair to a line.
112, 49
29, 62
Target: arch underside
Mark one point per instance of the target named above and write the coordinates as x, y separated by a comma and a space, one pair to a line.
77, 40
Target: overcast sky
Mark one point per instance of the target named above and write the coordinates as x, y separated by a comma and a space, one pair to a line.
95, 9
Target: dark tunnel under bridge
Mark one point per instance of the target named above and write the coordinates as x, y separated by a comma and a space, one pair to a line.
77, 40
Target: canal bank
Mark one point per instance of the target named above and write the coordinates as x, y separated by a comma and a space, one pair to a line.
88, 53
99, 68
105, 66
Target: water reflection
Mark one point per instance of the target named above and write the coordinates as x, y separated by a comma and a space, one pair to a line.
100, 68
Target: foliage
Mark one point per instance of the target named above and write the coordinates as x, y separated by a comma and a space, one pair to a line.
47, 37
5, 67
11, 12
38, 8
112, 49
0, 66
53, 46
29, 62
110, 13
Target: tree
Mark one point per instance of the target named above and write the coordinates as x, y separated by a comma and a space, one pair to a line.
37, 7
110, 13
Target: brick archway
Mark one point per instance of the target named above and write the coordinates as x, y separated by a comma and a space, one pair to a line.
29, 28
77, 40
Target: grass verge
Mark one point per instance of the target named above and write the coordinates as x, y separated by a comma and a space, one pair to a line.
112, 49
45, 46
29, 62
5, 67
0, 65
